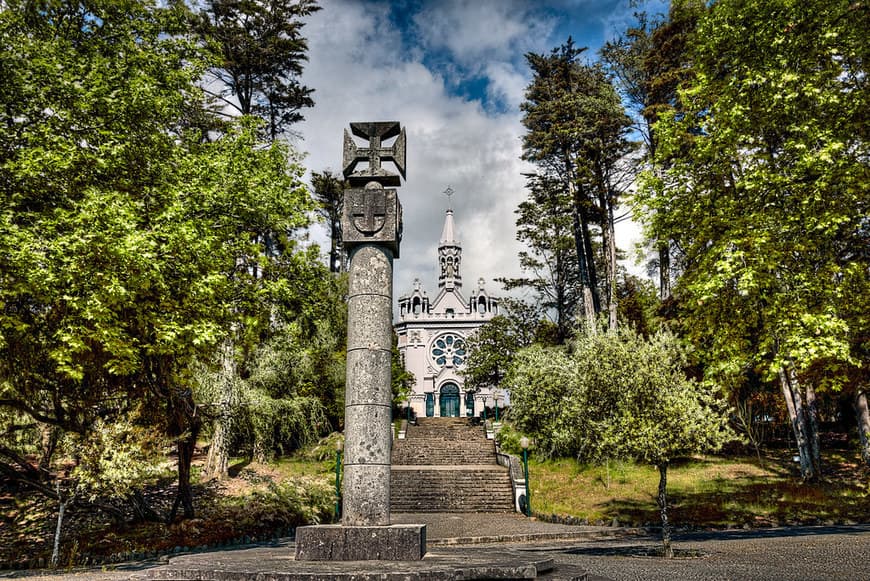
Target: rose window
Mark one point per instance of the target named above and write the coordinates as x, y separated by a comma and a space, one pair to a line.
448, 348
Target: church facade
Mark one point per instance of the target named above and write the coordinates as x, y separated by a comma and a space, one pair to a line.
432, 333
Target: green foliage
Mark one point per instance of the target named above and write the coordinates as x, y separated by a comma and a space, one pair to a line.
116, 459
294, 501
765, 190
638, 304
492, 348
615, 395
323, 450
544, 226
329, 194
259, 50
401, 379
576, 133
508, 439
129, 246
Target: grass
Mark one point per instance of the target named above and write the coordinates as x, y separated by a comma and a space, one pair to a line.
703, 492
258, 500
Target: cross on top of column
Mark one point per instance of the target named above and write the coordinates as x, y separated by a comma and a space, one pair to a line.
376, 133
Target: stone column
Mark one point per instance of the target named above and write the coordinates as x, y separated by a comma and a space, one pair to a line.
372, 231
368, 395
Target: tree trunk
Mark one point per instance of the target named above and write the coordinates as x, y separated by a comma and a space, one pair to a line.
142, 511
590, 262
217, 463
582, 262
62, 504
862, 414
185, 426
50, 435
609, 232
812, 413
608, 241
664, 270
799, 424
667, 549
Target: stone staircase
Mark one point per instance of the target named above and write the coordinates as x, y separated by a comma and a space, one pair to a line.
448, 465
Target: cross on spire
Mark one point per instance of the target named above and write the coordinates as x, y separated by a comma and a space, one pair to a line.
449, 192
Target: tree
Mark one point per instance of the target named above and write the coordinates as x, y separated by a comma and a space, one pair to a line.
765, 193
552, 131
649, 63
576, 129
329, 193
288, 388
127, 246
544, 226
259, 50
401, 379
617, 395
492, 347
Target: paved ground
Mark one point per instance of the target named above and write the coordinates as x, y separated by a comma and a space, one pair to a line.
806, 553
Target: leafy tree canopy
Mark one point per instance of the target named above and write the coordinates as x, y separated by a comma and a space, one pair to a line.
129, 247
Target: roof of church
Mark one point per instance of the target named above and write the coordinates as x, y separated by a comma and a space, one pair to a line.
448, 234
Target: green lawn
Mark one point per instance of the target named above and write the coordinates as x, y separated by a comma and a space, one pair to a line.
706, 491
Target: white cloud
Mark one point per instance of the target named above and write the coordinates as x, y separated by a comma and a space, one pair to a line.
361, 72
474, 31
363, 69
506, 84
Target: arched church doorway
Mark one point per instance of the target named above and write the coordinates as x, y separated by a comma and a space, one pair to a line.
449, 398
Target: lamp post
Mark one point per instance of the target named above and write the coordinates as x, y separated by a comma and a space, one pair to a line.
497, 398
339, 447
524, 444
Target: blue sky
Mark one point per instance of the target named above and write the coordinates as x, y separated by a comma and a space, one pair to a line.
453, 72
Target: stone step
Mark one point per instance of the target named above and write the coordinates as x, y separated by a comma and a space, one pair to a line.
448, 465
476, 488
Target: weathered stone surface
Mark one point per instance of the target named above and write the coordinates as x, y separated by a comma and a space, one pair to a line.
368, 377
448, 565
372, 225
368, 322
376, 133
373, 271
351, 543
366, 493
372, 215
364, 442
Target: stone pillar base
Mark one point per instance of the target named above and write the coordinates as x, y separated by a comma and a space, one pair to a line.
361, 543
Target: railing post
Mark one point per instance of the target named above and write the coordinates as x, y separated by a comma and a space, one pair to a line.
339, 445
524, 444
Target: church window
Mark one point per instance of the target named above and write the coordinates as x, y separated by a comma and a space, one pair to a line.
416, 305
448, 349
481, 305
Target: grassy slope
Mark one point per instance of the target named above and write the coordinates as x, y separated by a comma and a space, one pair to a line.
708, 491
260, 500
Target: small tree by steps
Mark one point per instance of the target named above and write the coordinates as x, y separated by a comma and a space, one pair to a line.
618, 395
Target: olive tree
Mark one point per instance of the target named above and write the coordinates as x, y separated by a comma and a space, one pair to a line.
617, 395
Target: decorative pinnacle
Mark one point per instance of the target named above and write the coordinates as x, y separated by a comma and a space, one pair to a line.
449, 192
376, 133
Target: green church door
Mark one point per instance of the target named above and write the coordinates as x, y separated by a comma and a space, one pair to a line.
449, 400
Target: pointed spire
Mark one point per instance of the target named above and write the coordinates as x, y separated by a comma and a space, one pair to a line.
448, 235
449, 251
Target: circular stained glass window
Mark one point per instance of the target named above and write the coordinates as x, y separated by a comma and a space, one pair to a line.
448, 349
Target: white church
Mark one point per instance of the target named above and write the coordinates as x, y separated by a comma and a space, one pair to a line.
432, 333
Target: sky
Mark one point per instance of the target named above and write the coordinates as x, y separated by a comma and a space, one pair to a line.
453, 73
